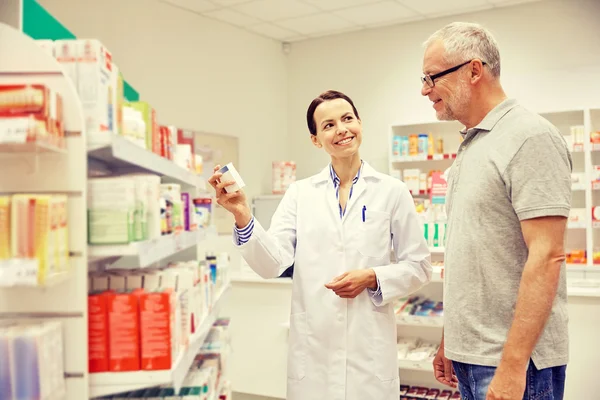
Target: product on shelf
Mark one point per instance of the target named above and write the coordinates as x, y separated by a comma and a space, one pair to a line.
171, 208
31, 113
434, 221
5, 231
422, 144
577, 216
185, 149
134, 126
202, 381
420, 392
419, 307
143, 319
111, 210
168, 141
203, 211
413, 349
35, 240
127, 208
152, 128
284, 174
31, 360
577, 256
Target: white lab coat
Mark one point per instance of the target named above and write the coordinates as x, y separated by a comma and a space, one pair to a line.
343, 349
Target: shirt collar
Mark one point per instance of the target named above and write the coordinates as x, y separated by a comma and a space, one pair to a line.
366, 171
336, 180
492, 117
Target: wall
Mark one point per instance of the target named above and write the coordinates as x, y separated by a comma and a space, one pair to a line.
550, 61
198, 73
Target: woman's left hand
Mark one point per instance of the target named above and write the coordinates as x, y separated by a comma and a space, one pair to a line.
351, 284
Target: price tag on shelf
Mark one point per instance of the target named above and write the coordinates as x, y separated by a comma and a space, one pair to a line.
19, 272
15, 130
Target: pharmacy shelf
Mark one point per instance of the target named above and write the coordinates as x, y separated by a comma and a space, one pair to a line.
21, 273
577, 225
150, 251
423, 157
414, 365
415, 320
29, 148
109, 383
119, 153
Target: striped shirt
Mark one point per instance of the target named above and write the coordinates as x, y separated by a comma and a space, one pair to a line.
242, 235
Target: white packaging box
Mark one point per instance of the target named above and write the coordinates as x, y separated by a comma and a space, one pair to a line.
65, 52
111, 207
231, 174
94, 70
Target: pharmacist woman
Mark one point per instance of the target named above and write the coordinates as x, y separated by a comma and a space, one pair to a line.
339, 229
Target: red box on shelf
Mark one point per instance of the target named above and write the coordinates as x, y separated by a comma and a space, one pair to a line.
98, 333
123, 331
157, 330
24, 100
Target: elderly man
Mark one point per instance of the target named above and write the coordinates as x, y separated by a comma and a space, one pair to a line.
509, 194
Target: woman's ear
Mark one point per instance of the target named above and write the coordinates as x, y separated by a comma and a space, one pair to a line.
315, 140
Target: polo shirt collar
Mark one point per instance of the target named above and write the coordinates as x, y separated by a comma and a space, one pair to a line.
492, 118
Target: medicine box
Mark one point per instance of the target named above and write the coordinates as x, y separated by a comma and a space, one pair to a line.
95, 88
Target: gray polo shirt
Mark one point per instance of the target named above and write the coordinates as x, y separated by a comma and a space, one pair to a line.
513, 166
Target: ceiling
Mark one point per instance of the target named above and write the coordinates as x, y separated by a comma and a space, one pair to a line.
295, 20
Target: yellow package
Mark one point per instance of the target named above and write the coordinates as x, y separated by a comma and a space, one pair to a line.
4, 227
30, 232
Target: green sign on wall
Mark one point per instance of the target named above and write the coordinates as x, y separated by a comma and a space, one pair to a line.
38, 23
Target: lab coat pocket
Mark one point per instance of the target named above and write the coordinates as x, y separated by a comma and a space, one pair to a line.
296, 363
375, 234
384, 347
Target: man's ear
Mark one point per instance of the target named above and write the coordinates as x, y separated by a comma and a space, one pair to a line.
476, 71
315, 140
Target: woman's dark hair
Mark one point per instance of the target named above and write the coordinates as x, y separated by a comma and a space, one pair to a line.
323, 97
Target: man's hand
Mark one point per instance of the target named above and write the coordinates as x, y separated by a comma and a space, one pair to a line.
351, 284
507, 384
443, 370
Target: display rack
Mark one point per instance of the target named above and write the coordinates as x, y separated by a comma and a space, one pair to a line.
583, 279
41, 167
103, 384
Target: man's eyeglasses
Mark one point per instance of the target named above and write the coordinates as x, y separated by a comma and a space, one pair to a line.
430, 79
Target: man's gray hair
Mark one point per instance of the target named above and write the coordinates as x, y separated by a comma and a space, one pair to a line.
464, 41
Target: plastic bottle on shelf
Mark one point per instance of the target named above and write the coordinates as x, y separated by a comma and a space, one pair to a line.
423, 144
404, 146
430, 147
440, 146
396, 146
413, 145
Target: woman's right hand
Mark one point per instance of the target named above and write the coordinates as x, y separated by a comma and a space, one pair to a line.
234, 202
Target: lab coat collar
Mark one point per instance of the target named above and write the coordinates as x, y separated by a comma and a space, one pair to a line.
368, 172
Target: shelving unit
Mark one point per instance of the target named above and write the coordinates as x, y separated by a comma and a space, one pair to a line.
583, 279
103, 384
118, 154
143, 254
45, 168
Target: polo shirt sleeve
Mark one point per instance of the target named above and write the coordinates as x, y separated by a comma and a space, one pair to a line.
538, 178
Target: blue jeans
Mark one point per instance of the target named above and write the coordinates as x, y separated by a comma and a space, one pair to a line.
545, 384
